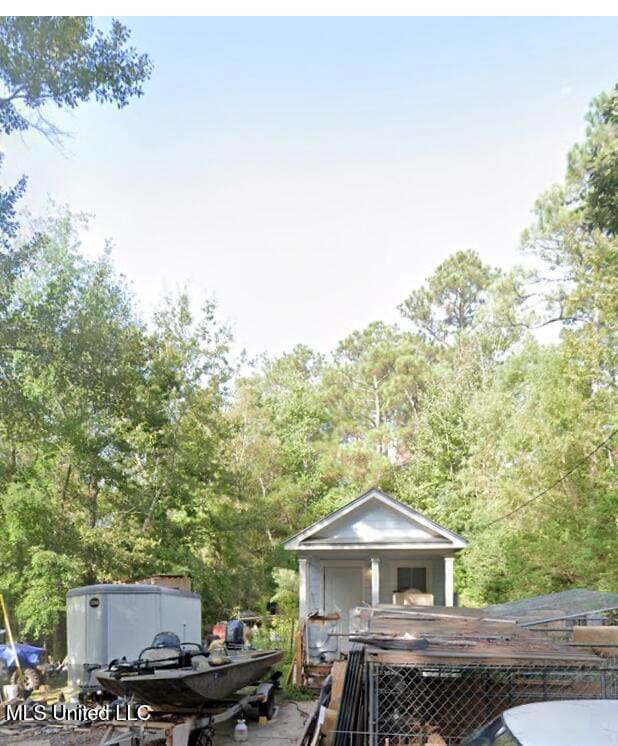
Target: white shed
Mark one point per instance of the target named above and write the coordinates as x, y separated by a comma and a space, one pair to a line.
369, 549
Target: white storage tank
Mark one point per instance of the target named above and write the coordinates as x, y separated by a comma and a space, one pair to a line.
111, 621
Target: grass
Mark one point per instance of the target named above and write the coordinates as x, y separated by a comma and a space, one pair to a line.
296, 693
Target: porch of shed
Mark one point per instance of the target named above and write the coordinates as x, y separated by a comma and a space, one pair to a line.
329, 581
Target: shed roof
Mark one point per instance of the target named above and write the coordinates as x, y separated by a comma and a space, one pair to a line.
375, 520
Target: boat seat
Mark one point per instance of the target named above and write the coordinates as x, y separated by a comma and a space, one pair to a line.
161, 657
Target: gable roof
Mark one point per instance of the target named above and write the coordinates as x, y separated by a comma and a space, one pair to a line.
421, 532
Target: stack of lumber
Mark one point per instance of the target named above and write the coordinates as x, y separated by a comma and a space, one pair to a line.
415, 634
341, 713
602, 640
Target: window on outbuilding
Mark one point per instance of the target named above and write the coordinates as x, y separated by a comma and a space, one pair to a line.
412, 577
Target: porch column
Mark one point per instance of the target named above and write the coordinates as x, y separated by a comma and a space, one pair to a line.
303, 589
375, 581
449, 584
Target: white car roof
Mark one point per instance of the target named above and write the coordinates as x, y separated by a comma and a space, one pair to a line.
584, 722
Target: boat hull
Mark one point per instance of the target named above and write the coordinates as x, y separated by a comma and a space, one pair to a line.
186, 690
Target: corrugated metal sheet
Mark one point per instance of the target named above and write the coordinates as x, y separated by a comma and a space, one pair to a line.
575, 602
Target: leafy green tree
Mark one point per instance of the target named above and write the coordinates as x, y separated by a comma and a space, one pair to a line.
593, 166
447, 307
73, 356
543, 414
282, 424
63, 60
8, 211
376, 381
286, 594
574, 233
550, 405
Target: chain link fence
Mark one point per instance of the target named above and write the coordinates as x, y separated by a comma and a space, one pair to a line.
443, 704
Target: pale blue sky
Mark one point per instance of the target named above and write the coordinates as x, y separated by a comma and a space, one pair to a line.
309, 173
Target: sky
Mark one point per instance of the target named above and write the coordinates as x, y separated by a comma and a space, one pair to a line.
308, 174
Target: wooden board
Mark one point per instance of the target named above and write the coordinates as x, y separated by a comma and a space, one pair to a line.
329, 726
295, 674
462, 637
605, 636
338, 674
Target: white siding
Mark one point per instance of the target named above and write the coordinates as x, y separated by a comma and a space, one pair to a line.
388, 575
315, 568
315, 584
376, 522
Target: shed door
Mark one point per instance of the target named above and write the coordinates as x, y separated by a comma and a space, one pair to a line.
343, 590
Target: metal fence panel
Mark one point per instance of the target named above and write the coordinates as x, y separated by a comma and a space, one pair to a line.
420, 705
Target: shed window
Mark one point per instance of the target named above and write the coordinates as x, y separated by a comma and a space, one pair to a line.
412, 577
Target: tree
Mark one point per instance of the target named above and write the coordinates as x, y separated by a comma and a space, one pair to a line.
543, 413
593, 165
446, 308
376, 381
68, 370
549, 405
373, 390
282, 427
574, 233
63, 60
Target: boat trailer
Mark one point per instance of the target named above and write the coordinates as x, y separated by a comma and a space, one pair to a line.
189, 729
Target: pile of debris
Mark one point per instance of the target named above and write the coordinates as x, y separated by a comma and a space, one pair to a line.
432, 675
22, 717
447, 634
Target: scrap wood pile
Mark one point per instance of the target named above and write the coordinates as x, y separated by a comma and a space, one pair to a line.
443, 672
306, 669
453, 634
429, 676
339, 717
602, 641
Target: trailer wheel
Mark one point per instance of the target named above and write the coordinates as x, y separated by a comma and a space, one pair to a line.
202, 737
33, 678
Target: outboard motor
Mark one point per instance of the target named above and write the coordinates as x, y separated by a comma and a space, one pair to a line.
235, 634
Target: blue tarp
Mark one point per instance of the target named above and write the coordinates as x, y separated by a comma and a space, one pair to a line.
29, 656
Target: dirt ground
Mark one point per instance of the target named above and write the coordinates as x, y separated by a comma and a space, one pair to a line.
285, 728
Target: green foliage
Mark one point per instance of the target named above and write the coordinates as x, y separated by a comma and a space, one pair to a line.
593, 166
129, 448
63, 60
8, 206
295, 693
286, 594
46, 579
447, 307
